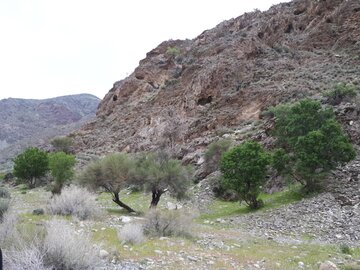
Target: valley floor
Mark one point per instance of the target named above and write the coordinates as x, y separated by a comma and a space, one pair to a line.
225, 236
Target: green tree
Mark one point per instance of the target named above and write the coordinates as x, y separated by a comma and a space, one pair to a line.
30, 165
113, 173
61, 166
62, 144
313, 141
244, 169
158, 173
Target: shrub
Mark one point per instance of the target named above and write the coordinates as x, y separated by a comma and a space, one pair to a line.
132, 233
169, 223
30, 165
4, 193
173, 51
65, 249
244, 169
29, 258
4, 206
75, 201
8, 231
341, 92
62, 144
213, 154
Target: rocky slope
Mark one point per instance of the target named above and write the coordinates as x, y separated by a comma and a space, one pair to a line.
25, 122
187, 92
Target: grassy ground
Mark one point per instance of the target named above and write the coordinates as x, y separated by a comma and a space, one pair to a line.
213, 245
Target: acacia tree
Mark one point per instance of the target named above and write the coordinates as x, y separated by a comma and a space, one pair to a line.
30, 165
312, 142
112, 173
244, 169
158, 173
61, 167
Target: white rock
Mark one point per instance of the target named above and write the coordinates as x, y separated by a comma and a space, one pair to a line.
158, 251
171, 206
126, 219
301, 264
328, 265
103, 253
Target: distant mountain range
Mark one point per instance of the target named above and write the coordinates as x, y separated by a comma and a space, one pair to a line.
31, 122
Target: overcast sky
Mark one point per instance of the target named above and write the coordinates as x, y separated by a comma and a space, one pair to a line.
51, 48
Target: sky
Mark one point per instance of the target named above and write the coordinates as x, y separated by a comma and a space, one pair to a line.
52, 48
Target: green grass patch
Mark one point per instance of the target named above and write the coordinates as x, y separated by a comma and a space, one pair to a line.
221, 209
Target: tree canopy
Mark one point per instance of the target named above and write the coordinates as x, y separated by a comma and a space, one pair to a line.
113, 173
312, 142
61, 167
159, 173
30, 165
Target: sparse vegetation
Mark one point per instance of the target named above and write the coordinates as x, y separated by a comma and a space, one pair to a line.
62, 144
169, 223
4, 201
30, 165
65, 249
132, 233
244, 169
74, 201
341, 92
173, 51
213, 154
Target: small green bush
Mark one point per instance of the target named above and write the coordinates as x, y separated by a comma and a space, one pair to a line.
341, 92
173, 51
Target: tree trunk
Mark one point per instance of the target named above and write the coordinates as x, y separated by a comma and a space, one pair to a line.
121, 204
156, 194
1, 260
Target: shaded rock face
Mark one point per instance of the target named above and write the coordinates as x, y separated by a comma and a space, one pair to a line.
26, 122
186, 92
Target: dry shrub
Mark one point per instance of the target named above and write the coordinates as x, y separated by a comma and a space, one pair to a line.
75, 201
132, 233
29, 257
65, 249
9, 235
168, 223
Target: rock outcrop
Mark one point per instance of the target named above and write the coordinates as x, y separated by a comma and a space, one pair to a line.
187, 92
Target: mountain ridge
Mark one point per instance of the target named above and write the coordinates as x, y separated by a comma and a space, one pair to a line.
28, 122
190, 92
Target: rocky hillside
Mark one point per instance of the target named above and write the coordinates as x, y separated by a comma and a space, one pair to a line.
25, 122
187, 92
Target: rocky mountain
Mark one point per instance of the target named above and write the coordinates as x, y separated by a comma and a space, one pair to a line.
25, 122
188, 92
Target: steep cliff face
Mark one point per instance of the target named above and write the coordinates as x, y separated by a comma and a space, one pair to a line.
28, 122
186, 92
